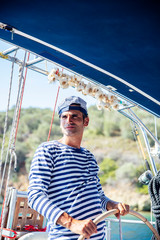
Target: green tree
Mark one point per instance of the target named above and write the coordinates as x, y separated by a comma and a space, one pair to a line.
96, 125
111, 123
107, 170
126, 171
21, 151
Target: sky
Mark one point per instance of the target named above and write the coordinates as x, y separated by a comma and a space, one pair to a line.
38, 92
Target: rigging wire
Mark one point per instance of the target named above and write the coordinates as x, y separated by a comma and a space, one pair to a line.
11, 145
21, 99
49, 134
139, 145
141, 150
6, 117
135, 138
53, 114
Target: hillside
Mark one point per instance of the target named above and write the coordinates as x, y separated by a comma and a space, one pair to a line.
109, 137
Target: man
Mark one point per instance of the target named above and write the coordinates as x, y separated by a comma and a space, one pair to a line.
64, 183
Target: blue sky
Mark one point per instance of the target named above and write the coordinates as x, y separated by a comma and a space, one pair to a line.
38, 92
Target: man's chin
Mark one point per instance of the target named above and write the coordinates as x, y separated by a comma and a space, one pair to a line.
70, 133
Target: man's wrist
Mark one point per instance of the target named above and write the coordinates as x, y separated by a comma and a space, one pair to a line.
65, 220
111, 205
68, 223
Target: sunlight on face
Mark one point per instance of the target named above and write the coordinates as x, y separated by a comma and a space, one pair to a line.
73, 123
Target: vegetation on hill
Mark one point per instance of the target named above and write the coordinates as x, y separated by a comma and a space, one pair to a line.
109, 136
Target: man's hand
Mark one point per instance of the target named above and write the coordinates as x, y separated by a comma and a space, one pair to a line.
81, 227
122, 207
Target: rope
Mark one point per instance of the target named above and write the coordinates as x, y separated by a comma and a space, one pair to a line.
142, 150
6, 117
32, 228
139, 144
53, 114
135, 138
21, 99
21, 68
154, 191
11, 145
13, 122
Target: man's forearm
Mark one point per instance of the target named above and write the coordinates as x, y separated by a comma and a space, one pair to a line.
85, 227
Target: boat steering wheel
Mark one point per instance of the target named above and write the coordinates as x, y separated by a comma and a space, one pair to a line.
114, 211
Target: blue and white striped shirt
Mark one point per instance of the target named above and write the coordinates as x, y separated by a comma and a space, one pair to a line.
65, 179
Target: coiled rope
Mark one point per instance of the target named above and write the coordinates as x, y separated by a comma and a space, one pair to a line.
154, 191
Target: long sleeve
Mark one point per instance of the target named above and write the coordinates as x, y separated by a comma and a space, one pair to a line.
39, 180
103, 197
94, 169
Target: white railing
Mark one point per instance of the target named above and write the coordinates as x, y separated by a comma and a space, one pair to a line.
109, 220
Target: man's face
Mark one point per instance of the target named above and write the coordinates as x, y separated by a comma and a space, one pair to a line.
73, 123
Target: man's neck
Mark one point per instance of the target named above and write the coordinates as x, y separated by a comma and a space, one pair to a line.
71, 141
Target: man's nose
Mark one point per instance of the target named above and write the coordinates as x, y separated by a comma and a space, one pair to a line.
69, 119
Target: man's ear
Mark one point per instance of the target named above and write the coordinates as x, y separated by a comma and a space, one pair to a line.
86, 121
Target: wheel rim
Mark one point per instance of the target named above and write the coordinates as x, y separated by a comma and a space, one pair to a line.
104, 215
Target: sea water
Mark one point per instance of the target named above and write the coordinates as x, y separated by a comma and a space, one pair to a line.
130, 231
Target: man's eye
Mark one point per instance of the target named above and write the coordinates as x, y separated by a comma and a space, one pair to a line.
64, 117
74, 116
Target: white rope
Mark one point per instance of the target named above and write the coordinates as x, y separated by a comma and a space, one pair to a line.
6, 117
12, 129
21, 68
11, 145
